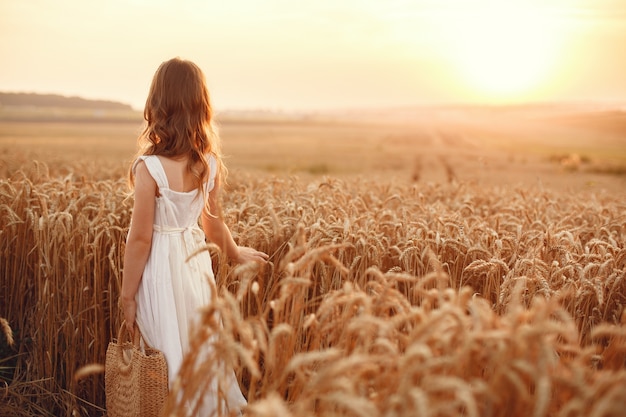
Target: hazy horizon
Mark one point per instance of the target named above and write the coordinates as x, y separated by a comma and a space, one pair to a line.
287, 56
563, 104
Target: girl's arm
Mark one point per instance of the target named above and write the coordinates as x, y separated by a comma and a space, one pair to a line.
217, 232
139, 241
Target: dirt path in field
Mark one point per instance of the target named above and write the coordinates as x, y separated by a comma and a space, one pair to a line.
521, 151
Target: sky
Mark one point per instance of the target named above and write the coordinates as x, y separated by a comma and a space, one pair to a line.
295, 55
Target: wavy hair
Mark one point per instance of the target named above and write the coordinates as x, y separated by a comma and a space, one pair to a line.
179, 120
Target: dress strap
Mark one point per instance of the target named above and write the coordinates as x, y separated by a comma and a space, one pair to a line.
155, 168
212, 172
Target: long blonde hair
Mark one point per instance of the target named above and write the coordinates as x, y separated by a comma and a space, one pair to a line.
179, 120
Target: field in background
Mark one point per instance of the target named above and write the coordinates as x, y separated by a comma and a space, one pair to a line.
568, 148
449, 262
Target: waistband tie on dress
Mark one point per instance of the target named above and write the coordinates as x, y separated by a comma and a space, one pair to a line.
191, 234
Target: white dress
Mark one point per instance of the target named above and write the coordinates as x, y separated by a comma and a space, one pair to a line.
172, 289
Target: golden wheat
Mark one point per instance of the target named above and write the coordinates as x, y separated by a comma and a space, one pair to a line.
380, 298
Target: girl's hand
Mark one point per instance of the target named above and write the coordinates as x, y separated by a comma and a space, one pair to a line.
246, 254
130, 309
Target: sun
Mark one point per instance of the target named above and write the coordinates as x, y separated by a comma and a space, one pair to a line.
502, 51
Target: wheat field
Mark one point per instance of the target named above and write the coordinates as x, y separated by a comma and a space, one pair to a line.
382, 297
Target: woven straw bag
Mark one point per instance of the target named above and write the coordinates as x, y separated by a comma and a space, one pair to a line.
135, 377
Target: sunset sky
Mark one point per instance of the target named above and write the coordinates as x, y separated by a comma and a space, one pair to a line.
322, 54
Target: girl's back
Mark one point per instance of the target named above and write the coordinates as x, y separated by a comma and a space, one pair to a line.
180, 179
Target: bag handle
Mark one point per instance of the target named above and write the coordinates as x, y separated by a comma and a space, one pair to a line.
124, 330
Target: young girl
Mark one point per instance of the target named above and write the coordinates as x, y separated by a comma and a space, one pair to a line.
176, 181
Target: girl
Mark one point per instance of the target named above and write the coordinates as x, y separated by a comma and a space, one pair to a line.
176, 181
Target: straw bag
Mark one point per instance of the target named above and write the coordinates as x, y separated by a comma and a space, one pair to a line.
135, 377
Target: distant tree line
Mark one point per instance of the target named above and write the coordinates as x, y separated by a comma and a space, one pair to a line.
54, 100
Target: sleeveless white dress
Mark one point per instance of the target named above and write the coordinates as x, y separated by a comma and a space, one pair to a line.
172, 289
